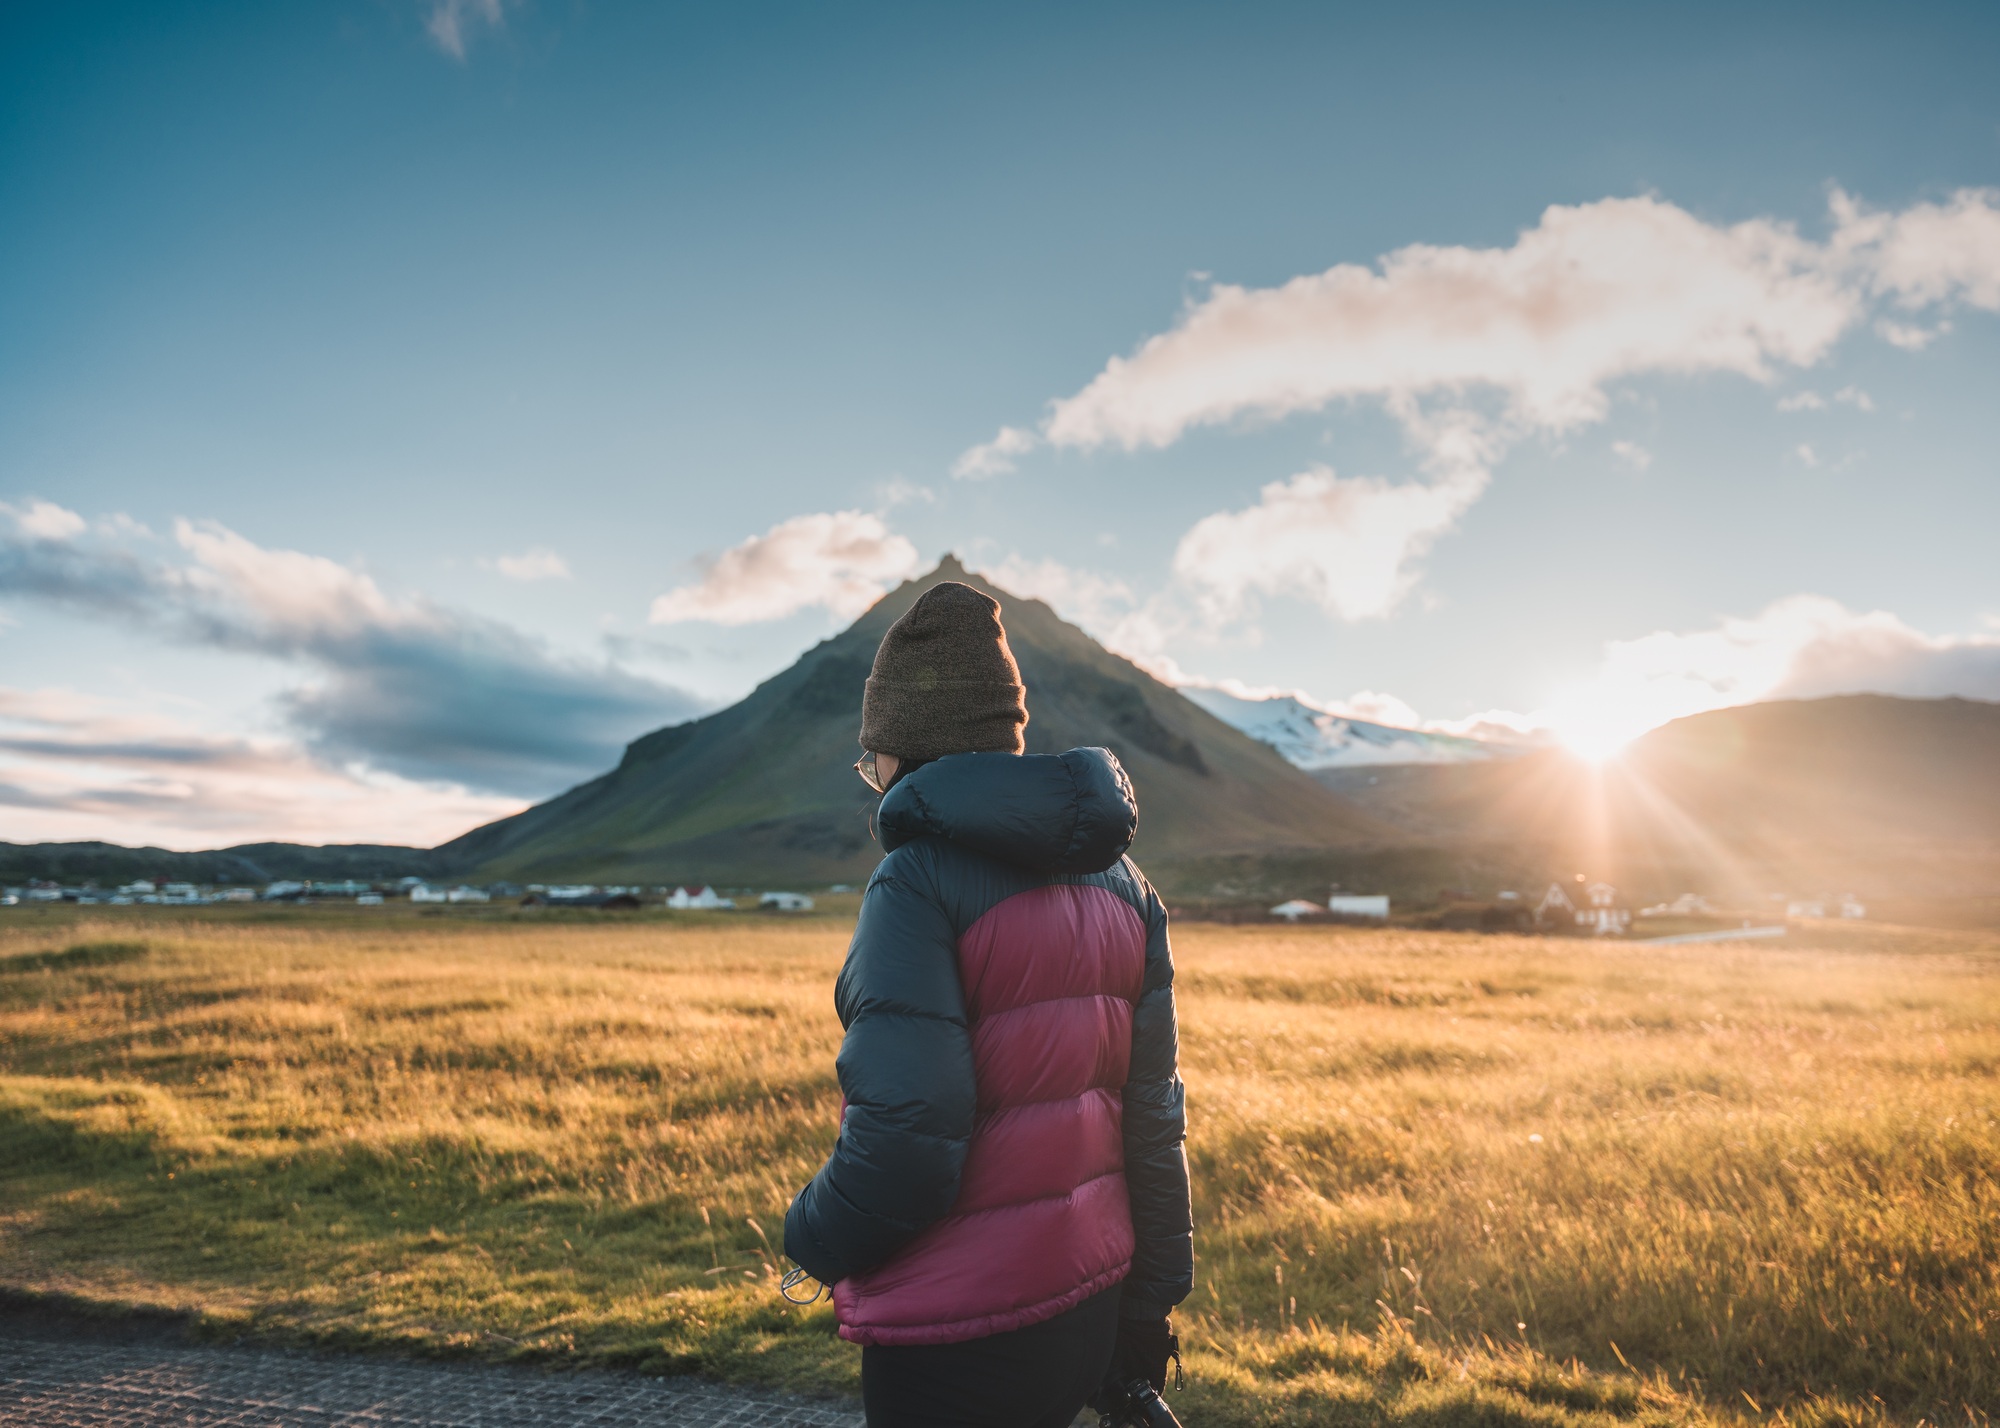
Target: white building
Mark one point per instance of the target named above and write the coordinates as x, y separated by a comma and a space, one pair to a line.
462, 893
703, 896
786, 902
1356, 905
424, 892
1601, 914
1295, 909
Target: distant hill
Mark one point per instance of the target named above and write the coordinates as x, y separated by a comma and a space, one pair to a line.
1885, 796
108, 864
1313, 739
763, 791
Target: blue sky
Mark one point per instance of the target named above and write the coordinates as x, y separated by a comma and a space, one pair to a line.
403, 403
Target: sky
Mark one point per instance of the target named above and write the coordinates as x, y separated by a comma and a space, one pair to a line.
405, 403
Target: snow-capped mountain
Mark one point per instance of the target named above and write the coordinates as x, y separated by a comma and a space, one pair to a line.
1314, 739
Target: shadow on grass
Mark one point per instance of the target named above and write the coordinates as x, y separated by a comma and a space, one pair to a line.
82, 955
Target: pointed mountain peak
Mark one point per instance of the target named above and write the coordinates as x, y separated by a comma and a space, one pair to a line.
764, 790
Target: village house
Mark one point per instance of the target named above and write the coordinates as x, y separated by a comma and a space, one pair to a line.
1595, 910
703, 896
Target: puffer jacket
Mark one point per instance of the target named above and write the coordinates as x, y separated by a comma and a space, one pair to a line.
1012, 1140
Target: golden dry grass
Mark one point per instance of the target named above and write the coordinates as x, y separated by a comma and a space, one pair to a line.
1440, 1179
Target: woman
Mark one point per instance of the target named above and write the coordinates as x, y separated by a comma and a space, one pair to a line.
1004, 1218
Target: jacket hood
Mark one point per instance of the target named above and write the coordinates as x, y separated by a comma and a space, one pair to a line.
1049, 813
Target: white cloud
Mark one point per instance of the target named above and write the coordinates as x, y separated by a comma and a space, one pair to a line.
1632, 454
1909, 337
896, 492
1592, 294
45, 520
399, 685
74, 766
842, 560
1930, 252
1810, 401
1105, 607
534, 564
1092, 600
995, 456
1348, 544
451, 22
1806, 455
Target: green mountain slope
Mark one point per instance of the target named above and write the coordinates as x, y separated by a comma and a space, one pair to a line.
764, 791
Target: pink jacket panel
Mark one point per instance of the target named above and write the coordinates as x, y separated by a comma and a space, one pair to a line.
1049, 1148
989, 1271
1050, 942
1048, 1050
1042, 1220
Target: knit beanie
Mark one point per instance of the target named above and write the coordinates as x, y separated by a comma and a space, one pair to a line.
944, 681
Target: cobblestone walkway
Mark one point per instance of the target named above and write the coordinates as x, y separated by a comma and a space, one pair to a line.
55, 1381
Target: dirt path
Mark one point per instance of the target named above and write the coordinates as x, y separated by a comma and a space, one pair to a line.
54, 1376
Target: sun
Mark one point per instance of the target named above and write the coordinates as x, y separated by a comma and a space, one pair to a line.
1597, 742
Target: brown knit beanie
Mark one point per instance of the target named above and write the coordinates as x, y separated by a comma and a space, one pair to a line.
944, 681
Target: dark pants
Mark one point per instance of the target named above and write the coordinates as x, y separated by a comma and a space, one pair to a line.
1037, 1377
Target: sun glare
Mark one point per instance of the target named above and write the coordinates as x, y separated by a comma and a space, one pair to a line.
1594, 742
1597, 722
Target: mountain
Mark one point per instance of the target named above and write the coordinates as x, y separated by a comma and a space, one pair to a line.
1313, 739
1889, 797
764, 791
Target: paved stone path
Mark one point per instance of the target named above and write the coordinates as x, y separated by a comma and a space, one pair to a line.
53, 1378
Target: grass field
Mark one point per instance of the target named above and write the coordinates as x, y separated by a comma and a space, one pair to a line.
1440, 1179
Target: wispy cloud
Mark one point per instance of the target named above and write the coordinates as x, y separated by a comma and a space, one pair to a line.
1632, 454
1347, 544
44, 520
76, 766
841, 560
1093, 600
994, 457
452, 23
1811, 401
535, 564
400, 685
1927, 254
